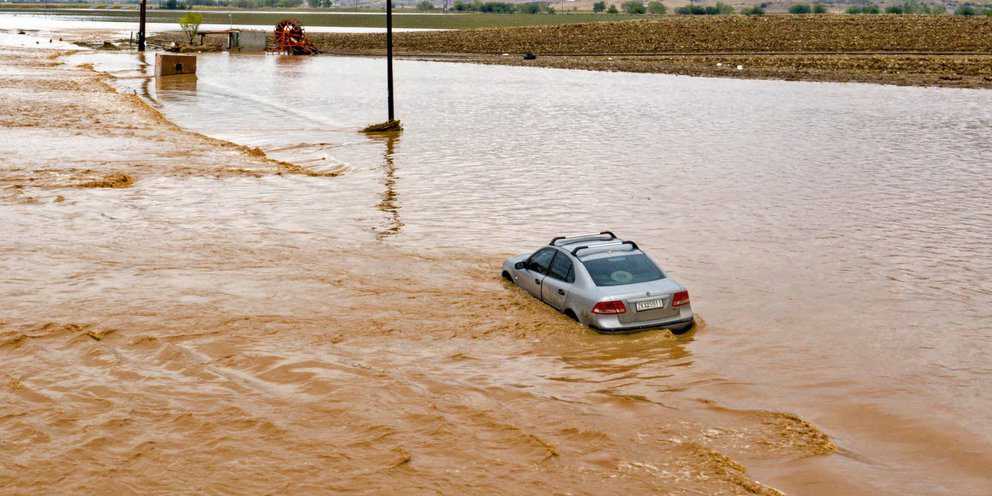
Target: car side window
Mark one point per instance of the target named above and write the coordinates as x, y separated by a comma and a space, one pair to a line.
540, 261
561, 267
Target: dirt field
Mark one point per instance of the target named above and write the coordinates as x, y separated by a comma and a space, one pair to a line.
904, 50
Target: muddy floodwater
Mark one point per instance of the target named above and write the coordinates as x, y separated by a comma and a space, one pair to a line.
337, 324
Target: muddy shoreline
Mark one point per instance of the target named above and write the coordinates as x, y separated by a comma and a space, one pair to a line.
899, 50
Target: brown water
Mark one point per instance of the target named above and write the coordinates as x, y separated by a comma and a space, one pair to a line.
295, 333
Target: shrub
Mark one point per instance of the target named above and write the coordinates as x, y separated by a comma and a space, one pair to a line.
634, 7
657, 8
819, 8
719, 9
800, 8
612, 9
893, 9
917, 7
425, 5
599, 6
965, 10
190, 24
497, 8
530, 8
754, 10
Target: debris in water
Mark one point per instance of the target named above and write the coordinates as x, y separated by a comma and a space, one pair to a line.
111, 181
384, 127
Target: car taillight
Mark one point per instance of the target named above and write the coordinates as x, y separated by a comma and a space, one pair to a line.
609, 307
680, 298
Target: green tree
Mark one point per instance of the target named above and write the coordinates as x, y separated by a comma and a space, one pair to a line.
612, 9
634, 7
657, 8
819, 8
800, 8
425, 5
529, 8
754, 10
599, 6
190, 24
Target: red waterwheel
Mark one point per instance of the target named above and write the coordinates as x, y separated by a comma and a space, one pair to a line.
291, 40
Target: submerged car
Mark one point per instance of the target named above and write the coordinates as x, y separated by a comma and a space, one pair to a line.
603, 282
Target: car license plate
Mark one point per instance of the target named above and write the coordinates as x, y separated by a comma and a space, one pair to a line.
649, 304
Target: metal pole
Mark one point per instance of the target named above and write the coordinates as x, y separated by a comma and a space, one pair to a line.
389, 55
141, 27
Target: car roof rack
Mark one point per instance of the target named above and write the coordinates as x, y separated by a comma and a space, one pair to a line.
633, 247
579, 237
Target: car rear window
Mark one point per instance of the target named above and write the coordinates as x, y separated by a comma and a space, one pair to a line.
624, 269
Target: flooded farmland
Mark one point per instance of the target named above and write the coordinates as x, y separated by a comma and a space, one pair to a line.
227, 324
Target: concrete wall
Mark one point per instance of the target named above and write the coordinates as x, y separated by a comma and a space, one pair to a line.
170, 64
247, 41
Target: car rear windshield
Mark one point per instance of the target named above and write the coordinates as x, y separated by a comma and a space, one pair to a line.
624, 269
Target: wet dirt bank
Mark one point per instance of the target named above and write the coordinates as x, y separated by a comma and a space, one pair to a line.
170, 325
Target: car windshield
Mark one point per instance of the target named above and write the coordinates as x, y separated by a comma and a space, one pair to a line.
624, 269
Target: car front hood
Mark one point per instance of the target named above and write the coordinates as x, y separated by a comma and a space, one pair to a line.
510, 262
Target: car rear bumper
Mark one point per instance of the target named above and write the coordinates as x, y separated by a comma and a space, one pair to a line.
610, 323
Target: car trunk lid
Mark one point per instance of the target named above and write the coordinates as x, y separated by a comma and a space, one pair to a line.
649, 301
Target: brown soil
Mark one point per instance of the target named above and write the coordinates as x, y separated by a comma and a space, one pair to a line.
698, 34
111, 138
904, 50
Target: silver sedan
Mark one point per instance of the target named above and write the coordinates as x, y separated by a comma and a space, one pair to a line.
603, 282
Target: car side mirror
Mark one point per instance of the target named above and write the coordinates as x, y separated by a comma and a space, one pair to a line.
520, 265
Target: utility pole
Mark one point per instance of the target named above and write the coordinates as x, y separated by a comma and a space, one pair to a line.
389, 56
141, 26
392, 125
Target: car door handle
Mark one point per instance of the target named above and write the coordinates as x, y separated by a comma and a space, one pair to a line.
561, 292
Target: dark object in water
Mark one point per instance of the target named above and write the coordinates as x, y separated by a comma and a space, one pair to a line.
21, 31
529, 56
384, 127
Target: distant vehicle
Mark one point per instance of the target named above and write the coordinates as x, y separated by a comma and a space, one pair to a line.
603, 282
